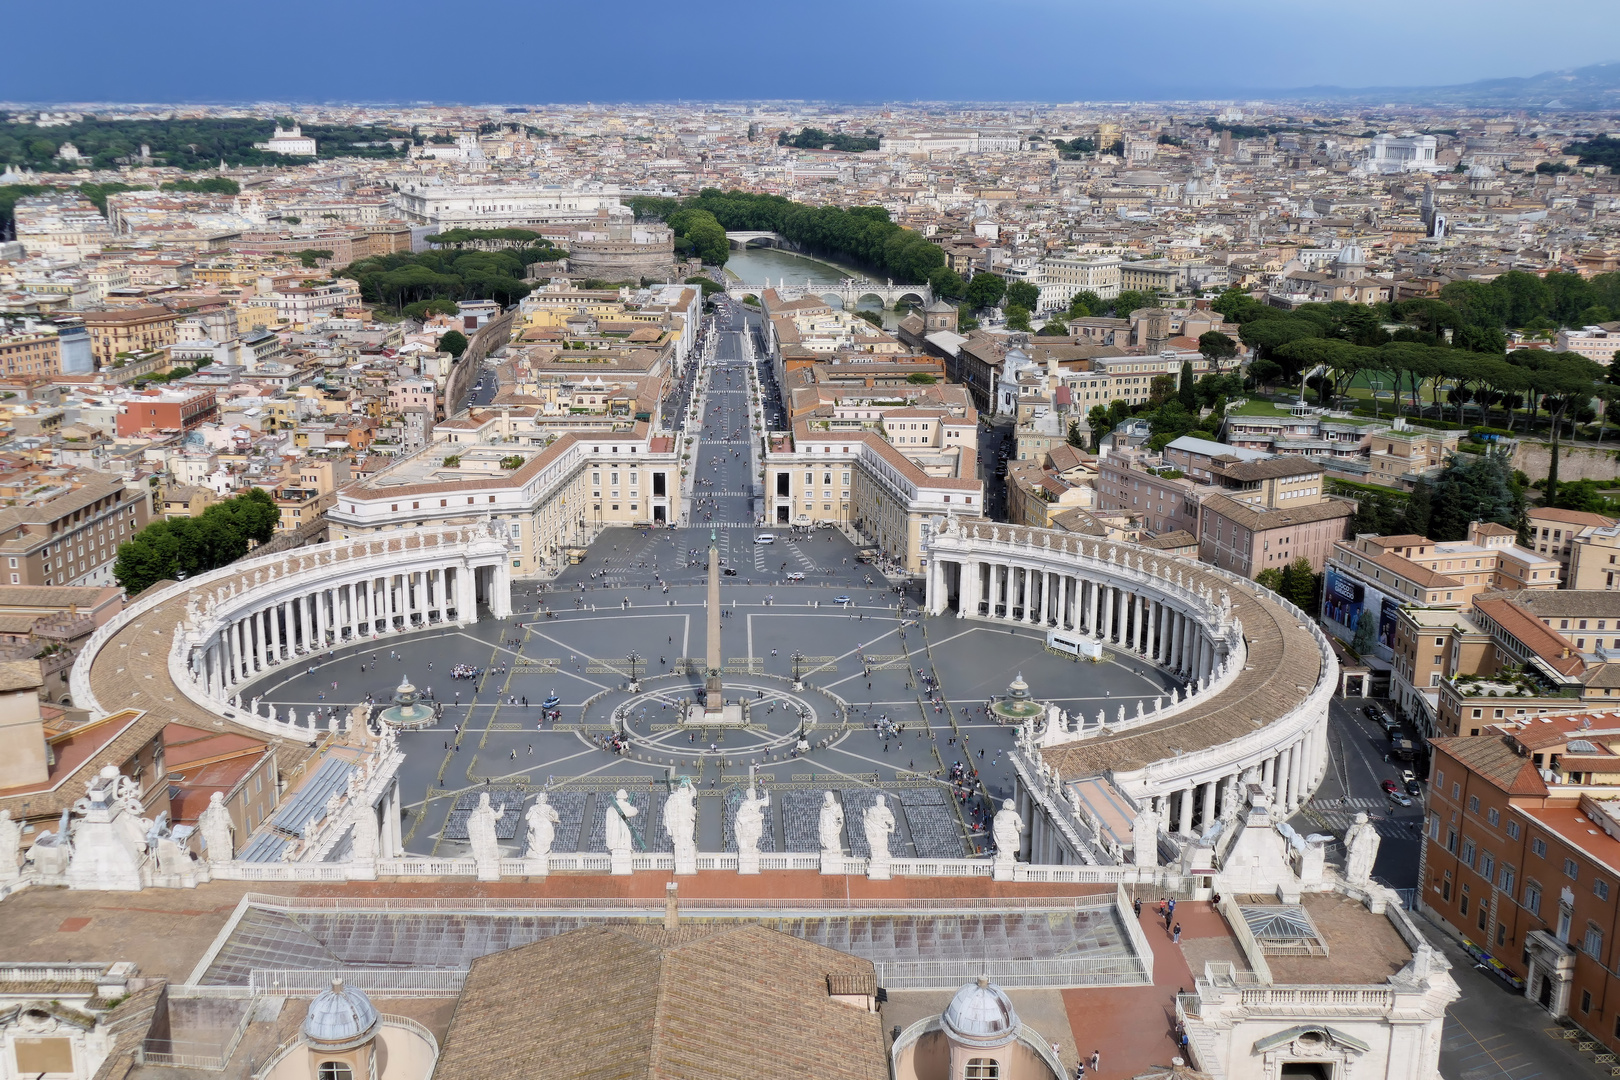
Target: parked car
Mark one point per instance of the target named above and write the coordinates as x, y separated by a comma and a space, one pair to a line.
1407, 776
840, 599
765, 538
729, 571
1375, 714
1414, 789
797, 575
1390, 787
1400, 799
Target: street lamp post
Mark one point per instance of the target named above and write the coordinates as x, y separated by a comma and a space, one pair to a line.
635, 661
798, 671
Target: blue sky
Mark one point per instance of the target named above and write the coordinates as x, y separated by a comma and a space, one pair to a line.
854, 50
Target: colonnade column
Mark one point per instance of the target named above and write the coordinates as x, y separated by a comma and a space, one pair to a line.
1186, 811
1209, 803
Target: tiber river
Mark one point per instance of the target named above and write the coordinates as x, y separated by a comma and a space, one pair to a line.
759, 266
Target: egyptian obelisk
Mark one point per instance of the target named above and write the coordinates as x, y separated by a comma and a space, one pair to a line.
713, 695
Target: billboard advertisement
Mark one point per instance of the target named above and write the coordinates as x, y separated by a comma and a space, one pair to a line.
1343, 598
1387, 609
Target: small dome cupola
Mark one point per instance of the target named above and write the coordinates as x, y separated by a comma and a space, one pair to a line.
340, 1018
981, 1016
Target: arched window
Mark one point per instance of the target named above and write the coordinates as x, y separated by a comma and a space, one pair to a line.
977, 1069
335, 1070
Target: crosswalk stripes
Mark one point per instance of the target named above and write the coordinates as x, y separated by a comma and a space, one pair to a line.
1339, 821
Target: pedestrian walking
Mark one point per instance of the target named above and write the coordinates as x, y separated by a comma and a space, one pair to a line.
1136, 907
1176, 939
1096, 1061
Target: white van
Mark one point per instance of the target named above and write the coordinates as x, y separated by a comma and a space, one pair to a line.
765, 538
1073, 644
797, 575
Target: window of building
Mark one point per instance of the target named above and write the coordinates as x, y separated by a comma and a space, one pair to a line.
977, 1069
1493, 816
1532, 898
1592, 943
1473, 804
1467, 855
1513, 829
335, 1070
1601, 888
1538, 847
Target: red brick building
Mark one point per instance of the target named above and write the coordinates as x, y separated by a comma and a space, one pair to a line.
165, 410
1521, 855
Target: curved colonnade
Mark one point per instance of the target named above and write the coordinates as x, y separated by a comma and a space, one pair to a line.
1258, 673
235, 625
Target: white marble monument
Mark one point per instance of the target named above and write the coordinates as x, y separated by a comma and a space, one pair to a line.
1008, 830
749, 826
830, 829
878, 823
616, 827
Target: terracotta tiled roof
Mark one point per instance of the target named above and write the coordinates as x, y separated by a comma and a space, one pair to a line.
1531, 632
638, 1001
1256, 519
1494, 759
1570, 517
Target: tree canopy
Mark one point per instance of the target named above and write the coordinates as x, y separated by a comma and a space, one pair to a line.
1476, 487
453, 342
190, 143
399, 280
861, 234
812, 138
221, 534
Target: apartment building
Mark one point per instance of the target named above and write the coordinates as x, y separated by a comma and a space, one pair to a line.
1550, 649
1373, 577
1557, 532
29, 350
1128, 378
1250, 511
67, 527
1060, 278
1594, 560
1521, 855
1429, 646
171, 409
1247, 538
1596, 343
1134, 481
301, 305
129, 330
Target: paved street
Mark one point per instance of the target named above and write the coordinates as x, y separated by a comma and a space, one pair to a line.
1356, 768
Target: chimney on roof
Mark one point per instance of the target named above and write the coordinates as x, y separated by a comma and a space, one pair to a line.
672, 907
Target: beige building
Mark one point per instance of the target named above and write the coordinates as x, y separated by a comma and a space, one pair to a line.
891, 493
1594, 560
129, 330
1557, 533
547, 496
72, 536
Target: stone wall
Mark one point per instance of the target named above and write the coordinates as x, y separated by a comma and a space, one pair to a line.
621, 260
1581, 462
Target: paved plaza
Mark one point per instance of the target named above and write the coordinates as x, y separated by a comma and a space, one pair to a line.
573, 638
